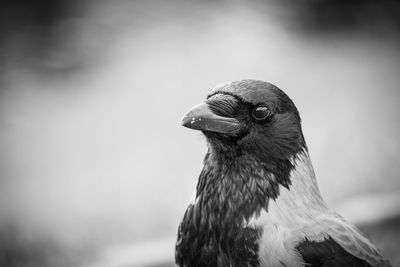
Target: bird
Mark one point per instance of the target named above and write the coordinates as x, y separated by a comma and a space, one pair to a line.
257, 201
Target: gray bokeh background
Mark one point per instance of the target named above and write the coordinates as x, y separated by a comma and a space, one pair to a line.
92, 154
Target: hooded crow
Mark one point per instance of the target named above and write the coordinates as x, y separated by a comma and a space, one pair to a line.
257, 202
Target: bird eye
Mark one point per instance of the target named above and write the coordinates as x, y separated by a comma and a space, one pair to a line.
261, 113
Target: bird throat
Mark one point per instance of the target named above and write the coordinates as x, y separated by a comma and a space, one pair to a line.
230, 191
239, 186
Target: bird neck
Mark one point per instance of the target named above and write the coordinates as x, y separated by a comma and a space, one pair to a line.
234, 187
222, 226
243, 186
302, 201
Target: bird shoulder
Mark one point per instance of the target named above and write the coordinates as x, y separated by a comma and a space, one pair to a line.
331, 232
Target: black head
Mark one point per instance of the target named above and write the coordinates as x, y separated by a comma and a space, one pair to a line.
249, 117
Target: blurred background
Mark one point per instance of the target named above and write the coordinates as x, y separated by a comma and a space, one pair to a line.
95, 169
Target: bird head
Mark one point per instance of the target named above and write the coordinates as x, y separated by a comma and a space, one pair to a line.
248, 117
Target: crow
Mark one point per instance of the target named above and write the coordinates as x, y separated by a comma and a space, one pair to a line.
257, 202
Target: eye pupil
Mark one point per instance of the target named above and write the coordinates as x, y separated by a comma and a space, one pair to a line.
261, 113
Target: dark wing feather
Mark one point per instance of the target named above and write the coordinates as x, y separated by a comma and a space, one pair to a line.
346, 236
327, 253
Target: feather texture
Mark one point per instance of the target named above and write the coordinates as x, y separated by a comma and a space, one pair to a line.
257, 201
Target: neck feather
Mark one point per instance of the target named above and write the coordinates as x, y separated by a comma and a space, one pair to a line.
244, 186
222, 226
297, 205
302, 200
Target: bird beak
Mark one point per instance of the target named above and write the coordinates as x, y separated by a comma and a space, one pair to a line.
202, 118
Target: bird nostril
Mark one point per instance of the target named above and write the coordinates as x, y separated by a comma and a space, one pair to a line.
223, 105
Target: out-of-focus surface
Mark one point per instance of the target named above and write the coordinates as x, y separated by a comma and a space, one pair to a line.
92, 154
